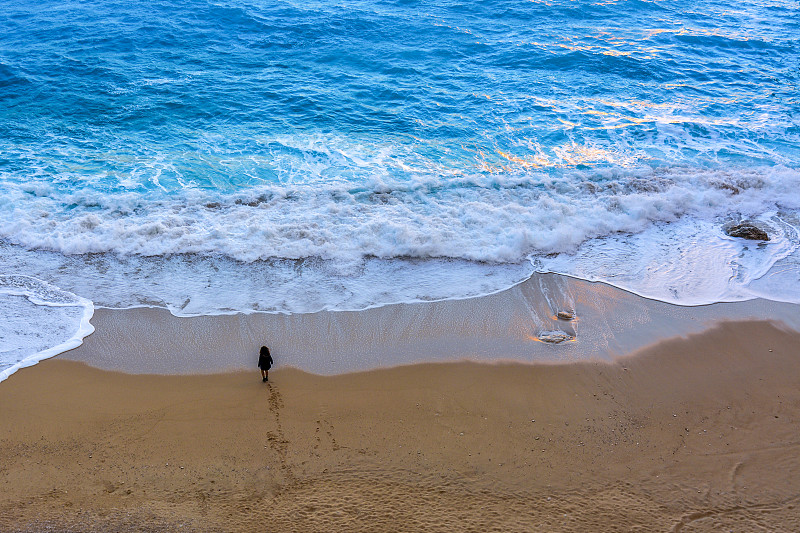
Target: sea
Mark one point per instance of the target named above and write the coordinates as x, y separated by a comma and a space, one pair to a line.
282, 156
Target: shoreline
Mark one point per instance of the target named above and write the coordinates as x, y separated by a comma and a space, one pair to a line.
508, 325
691, 434
504, 325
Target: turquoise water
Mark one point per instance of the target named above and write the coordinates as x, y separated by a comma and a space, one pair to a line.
216, 157
223, 97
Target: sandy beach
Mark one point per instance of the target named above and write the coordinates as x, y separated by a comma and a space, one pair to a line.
693, 434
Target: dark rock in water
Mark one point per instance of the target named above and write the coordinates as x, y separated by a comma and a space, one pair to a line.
555, 337
746, 230
565, 315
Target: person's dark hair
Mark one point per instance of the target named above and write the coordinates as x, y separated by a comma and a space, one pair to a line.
264, 350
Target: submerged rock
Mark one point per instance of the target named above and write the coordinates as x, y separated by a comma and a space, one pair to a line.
747, 230
555, 337
565, 315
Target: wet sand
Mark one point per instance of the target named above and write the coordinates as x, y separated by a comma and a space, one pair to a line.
692, 434
505, 326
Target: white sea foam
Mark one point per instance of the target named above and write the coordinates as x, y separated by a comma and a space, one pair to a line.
336, 245
191, 285
37, 321
491, 217
691, 262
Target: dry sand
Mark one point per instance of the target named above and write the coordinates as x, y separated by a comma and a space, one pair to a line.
693, 434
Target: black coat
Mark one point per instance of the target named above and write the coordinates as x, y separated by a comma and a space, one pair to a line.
265, 361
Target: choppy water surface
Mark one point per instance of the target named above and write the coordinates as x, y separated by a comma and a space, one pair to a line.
215, 157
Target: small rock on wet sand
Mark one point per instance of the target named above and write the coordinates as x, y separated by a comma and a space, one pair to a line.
555, 337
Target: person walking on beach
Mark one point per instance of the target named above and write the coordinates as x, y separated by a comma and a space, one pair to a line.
264, 363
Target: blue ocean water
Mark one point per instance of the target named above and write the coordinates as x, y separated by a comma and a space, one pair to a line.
283, 156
